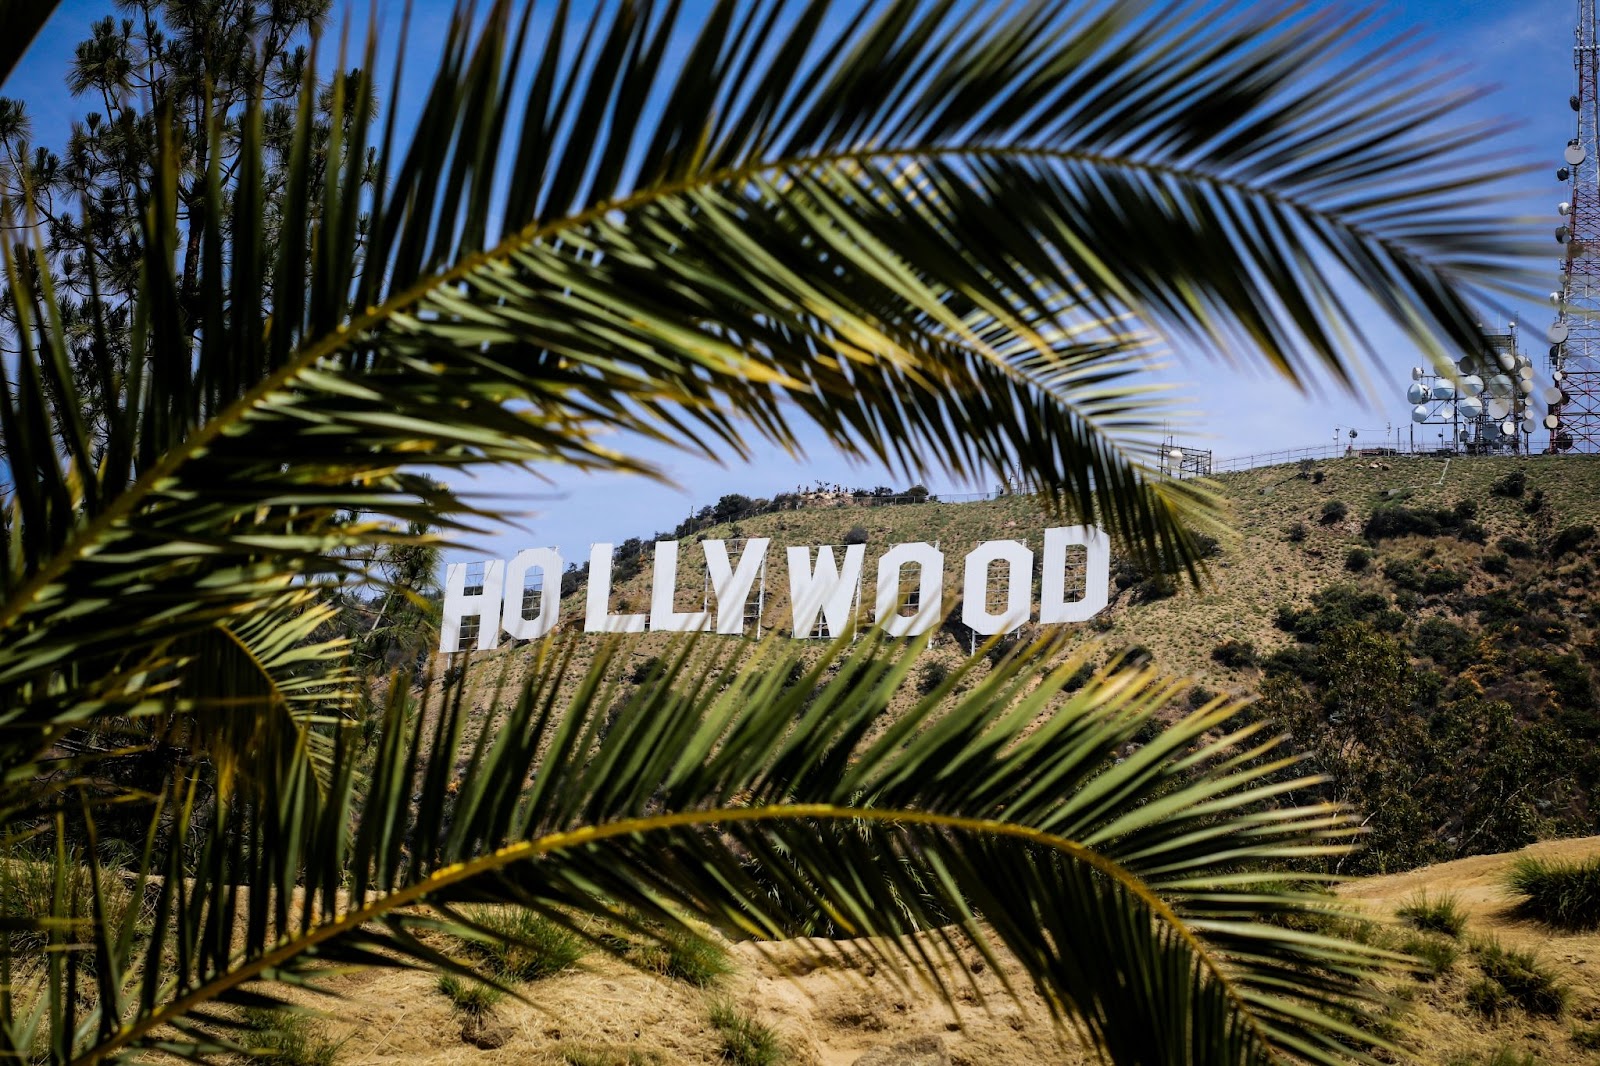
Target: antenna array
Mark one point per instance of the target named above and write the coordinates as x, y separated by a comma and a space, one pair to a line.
1574, 396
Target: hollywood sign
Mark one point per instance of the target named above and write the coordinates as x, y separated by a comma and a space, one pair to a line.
522, 596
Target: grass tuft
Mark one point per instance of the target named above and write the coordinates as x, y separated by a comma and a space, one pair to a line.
1442, 914
288, 1038
534, 946
683, 956
1524, 979
1562, 894
603, 1055
745, 1040
469, 996
1435, 954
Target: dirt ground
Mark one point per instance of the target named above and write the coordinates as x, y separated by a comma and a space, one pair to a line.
840, 1012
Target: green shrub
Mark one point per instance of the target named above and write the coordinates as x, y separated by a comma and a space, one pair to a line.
1587, 1037
534, 945
1334, 511
1512, 485
1569, 538
1444, 642
934, 674
683, 956
1525, 979
857, 535
1488, 998
1496, 563
1435, 956
1517, 549
467, 995
1296, 532
287, 1038
1357, 560
745, 1040
1440, 914
1235, 654
644, 669
1563, 894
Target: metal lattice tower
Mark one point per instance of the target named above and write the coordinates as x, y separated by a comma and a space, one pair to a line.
1574, 421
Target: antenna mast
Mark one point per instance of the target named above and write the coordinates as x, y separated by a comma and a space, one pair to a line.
1574, 401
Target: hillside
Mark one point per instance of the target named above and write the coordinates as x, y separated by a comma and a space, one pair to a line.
1264, 568
1423, 630
601, 1012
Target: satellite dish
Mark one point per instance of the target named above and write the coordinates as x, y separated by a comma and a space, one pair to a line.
1508, 429
1463, 435
1529, 425
1442, 390
1416, 392
1564, 208
1574, 154
1176, 453
1552, 421
1416, 373
1419, 413
1562, 173
1447, 412
1557, 333
1507, 362
1558, 375
1561, 441
1573, 102
1526, 385
1471, 385
1470, 407
1551, 395
1562, 233
1555, 298
1491, 432
1525, 371
1499, 386
1499, 408
1555, 352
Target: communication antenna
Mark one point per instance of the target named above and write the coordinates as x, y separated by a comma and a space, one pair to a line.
1573, 399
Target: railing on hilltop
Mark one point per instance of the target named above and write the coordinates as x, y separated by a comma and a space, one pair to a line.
806, 501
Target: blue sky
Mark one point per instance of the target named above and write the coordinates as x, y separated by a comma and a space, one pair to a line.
1520, 53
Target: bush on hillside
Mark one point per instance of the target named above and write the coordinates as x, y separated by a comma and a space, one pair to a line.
1445, 642
1565, 894
1334, 511
1496, 563
1357, 560
857, 535
1438, 914
1570, 538
1512, 485
1296, 533
1235, 654
1398, 520
1514, 547
1525, 978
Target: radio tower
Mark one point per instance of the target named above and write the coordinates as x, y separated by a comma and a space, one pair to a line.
1574, 419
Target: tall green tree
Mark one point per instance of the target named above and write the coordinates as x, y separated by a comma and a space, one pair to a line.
941, 235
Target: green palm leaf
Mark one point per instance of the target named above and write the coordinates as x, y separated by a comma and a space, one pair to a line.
1126, 888
932, 234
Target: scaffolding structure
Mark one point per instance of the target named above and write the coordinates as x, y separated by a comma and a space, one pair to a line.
1574, 418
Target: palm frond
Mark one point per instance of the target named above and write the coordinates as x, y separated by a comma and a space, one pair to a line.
1129, 889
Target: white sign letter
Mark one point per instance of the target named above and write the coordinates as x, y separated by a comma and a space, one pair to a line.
1019, 587
1053, 604
930, 589
662, 617
483, 603
827, 589
732, 587
514, 618
597, 618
